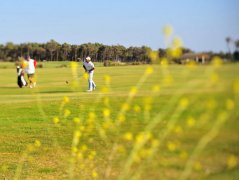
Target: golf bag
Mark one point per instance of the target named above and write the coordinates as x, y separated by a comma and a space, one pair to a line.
20, 77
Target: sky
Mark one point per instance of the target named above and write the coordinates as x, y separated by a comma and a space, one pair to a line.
203, 25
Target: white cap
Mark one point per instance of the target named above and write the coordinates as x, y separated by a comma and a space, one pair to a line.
88, 58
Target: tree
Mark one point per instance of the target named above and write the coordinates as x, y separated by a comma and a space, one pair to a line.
51, 47
228, 41
237, 45
236, 53
66, 48
74, 52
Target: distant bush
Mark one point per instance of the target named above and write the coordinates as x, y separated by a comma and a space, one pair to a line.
113, 63
137, 63
119, 63
39, 65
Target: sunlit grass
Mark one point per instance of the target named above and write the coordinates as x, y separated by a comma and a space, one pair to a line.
158, 121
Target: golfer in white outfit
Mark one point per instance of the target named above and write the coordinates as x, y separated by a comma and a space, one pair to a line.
89, 68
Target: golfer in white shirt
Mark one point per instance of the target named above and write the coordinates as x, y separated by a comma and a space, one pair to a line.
30, 70
89, 68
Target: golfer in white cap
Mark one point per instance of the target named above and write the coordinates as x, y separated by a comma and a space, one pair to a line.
89, 68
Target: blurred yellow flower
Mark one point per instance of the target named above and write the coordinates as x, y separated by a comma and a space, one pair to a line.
104, 90
197, 166
137, 108
56, 120
147, 107
140, 138
67, 112
73, 65
66, 99
94, 174
121, 118
136, 158
156, 88
77, 134
164, 62
148, 100
106, 112
144, 153
177, 42
191, 122
149, 70
92, 155
128, 136
236, 87
191, 65
183, 155
125, 107
37, 143
155, 143
232, 161
121, 149
106, 101
133, 91
178, 130
80, 156
174, 52
230, 104
167, 30
84, 148
107, 125
214, 78
82, 128
30, 148
74, 149
154, 56
184, 103
85, 76
217, 61
168, 80
76, 120
143, 136
171, 146
107, 79
92, 115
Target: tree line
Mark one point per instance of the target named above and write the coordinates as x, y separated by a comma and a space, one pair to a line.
54, 51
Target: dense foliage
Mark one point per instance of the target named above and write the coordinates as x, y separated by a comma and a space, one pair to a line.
54, 51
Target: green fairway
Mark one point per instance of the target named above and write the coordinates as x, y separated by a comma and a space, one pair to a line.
142, 122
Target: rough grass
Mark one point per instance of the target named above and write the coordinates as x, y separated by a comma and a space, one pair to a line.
167, 123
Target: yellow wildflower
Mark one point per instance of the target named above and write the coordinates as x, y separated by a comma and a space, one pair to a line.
171, 146
56, 120
67, 112
128, 136
37, 143
106, 112
66, 99
167, 30
149, 70
184, 103
232, 161
190, 122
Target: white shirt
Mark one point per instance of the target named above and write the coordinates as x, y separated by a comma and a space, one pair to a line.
31, 68
88, 65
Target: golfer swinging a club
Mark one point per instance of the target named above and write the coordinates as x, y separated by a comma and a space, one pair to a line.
89, 68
